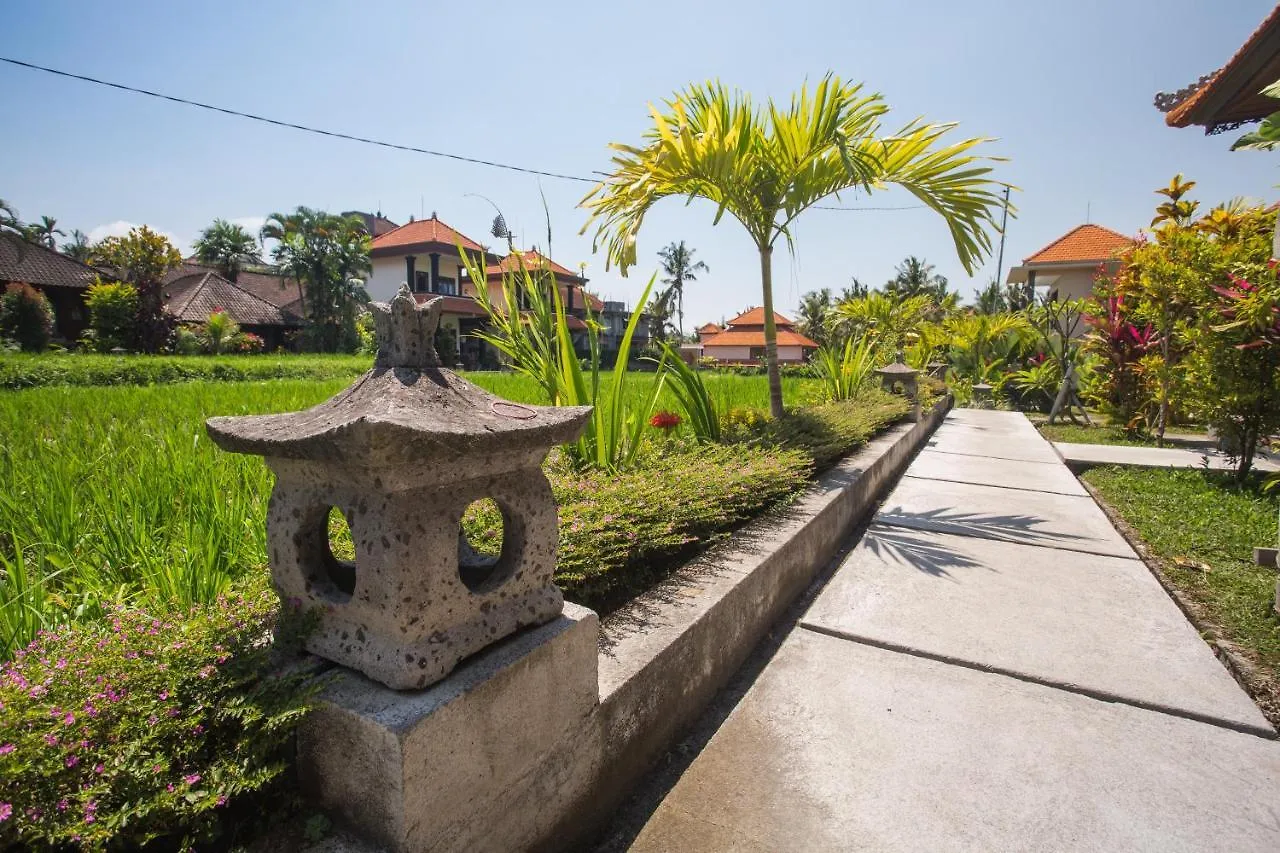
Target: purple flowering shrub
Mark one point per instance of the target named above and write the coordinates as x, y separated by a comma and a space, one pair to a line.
139, 729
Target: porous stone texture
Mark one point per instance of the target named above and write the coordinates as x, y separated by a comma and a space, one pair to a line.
402, 453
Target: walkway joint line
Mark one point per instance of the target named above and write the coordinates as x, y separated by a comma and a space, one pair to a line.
1101, 696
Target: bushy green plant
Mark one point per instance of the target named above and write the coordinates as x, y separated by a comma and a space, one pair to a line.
219, 331
142, 257
186, 341
825, 432
113, 314
696, 403
844, 371
26, 317
531, 329
141, 728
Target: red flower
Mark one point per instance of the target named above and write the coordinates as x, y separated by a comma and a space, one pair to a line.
664, 420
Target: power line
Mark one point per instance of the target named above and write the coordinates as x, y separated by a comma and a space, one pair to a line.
352, 138
278, 123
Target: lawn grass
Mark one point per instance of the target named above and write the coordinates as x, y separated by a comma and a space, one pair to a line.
116, 494
1080, 434
24, 370
1203, 529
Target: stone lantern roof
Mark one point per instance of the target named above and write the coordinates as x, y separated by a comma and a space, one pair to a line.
406, 410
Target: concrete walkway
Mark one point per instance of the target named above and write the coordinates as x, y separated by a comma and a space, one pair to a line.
1089, 455
991, 668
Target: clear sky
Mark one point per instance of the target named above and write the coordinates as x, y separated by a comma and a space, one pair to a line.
1065, 88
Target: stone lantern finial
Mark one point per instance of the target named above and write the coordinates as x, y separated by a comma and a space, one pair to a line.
401, 454
407, 331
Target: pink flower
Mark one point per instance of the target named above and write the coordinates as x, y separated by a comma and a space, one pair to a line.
7, 748
191, 779
62, 805
68, 718
50, 740
72, 760
98, 768
222, 800
6, 809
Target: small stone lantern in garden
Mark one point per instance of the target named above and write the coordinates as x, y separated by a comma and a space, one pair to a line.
401, 454
898, 378
982, 395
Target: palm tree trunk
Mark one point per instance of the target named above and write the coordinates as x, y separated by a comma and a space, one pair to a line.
770, 333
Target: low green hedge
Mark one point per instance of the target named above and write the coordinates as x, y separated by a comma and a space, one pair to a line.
19, 371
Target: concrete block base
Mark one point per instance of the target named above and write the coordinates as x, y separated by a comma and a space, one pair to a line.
433, 769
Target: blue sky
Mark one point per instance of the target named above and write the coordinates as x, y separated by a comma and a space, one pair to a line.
1066, 89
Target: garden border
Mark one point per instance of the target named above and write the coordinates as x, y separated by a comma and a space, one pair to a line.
544, 735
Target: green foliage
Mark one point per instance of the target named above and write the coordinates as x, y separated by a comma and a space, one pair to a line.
815, 309
539, 344
764, 167
219, 331
1037, 384
143, 728
142, 258
1266, 135
680, 268
113, 314
1203, 526
892, 321
695, 401
18, 372
227, 246
327, 253
26, 317
915, 277
981, 345
844, 372
826, 432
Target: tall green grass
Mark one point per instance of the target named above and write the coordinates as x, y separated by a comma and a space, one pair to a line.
110, 494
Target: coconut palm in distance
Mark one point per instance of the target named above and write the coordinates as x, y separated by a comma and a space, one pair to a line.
764, 167
680, 268
227, 246
44, 231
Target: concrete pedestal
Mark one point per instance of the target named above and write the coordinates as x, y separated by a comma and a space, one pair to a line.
434, 769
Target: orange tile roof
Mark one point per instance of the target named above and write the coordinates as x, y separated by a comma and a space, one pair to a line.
710, 329
755, 317
1251, 69
1082, 243
423, 232
531, 261
755, 338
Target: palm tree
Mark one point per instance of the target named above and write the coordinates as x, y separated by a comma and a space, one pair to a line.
680, 267
815, 306
77, 248
991, 299
890, 320
764, 167
42, 232
914, 276
227, 246
10, 224
327, 253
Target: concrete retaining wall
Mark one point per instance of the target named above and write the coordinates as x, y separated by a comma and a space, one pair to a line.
522, 772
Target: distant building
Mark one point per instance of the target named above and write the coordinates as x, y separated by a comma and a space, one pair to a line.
63, 282
708, 330
191, 299
742, 340
1069, 264
375, 224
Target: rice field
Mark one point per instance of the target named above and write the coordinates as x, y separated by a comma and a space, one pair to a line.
115, 493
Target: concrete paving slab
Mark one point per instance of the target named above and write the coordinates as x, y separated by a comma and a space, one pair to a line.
1014, 445
839, 746
1008, 473
1010, 515
1090, 455
1098, 625
989, 419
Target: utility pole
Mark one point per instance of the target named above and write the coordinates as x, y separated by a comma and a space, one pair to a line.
1003, 226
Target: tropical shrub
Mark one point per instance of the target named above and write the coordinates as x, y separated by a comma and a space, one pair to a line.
1118, 344
539, 344
846, 370
113, 314
691, 392
144, 728
26, 317
142, 258
220, 331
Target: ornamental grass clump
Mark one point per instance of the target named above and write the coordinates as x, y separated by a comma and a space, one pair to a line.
139, 729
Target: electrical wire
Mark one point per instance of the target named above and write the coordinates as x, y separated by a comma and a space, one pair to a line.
362, 139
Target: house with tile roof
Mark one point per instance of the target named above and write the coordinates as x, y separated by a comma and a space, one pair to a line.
1069, 264
742, 340
191, 299
708, 330
62, 280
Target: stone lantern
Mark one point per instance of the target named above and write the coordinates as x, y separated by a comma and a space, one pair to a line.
982, 395
402, 453
899, 376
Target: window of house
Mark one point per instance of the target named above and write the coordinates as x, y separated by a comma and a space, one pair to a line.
447, 286
421, 281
